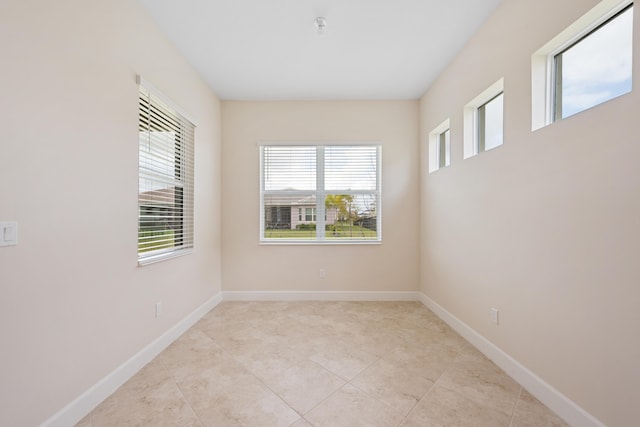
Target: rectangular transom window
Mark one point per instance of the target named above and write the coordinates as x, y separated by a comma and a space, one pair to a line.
165, 184
585, 65
490, 117
320, 193
440, 147
443, 149
596, 68
484, 121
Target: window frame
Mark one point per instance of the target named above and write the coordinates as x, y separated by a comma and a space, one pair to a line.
320, 194
481, 124
557, 66
310, 214
473, 122
436, 153
443, 148
544, 84
181, 203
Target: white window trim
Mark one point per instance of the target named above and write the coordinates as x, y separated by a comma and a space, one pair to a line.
164, 256
542, 61
434, 145
141, 81
470, 146
320, 194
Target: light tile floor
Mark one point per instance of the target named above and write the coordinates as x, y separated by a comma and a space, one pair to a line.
321, 364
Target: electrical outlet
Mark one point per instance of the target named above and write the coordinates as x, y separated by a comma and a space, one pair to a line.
8, 233
158, 309
322, 273
494, 316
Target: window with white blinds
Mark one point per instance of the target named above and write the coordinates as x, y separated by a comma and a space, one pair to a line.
165, 184
320, 193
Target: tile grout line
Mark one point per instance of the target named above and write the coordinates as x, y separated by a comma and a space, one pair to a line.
433, 386
322, 401
515, 406
407, 342
164, 367
287, 403
375, 398
278, 396
260, 380
263, 381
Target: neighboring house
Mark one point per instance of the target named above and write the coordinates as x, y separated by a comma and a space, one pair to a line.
157, 208
287, 212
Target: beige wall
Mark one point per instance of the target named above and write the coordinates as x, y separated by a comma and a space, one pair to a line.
74, 305
545, 228
249, 266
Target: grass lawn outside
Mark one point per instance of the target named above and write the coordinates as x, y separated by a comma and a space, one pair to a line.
342, 233
145, 244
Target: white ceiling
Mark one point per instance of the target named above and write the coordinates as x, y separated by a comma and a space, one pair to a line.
269, 49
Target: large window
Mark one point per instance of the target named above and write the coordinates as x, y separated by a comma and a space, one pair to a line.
585, 65
165, 184
320, 193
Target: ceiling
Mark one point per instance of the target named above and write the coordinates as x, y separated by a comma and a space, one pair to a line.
270, 50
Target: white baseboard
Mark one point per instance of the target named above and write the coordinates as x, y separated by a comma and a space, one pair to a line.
319, 296
87, 401
545, 393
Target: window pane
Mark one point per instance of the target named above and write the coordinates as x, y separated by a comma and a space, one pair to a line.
351, 217
289, 217
165, 179
490, 117
350, 168
597, 68
289, 168
443, 149
310, 214
295, 209
447, 147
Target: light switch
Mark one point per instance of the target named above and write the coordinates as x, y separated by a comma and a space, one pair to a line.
8, 233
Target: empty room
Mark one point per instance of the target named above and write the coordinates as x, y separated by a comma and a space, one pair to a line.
319, 213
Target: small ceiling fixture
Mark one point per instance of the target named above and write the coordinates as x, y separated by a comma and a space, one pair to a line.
321, 24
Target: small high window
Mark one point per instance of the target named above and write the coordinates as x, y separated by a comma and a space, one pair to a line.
587, 64
320, 193
490, 116
595, 68
440, 147
443, 149
483, 121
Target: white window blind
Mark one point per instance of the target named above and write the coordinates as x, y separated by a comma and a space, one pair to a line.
165, 185
290, 168
320, 193
350, 168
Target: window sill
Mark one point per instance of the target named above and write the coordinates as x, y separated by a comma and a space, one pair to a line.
164, 256
285, 242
